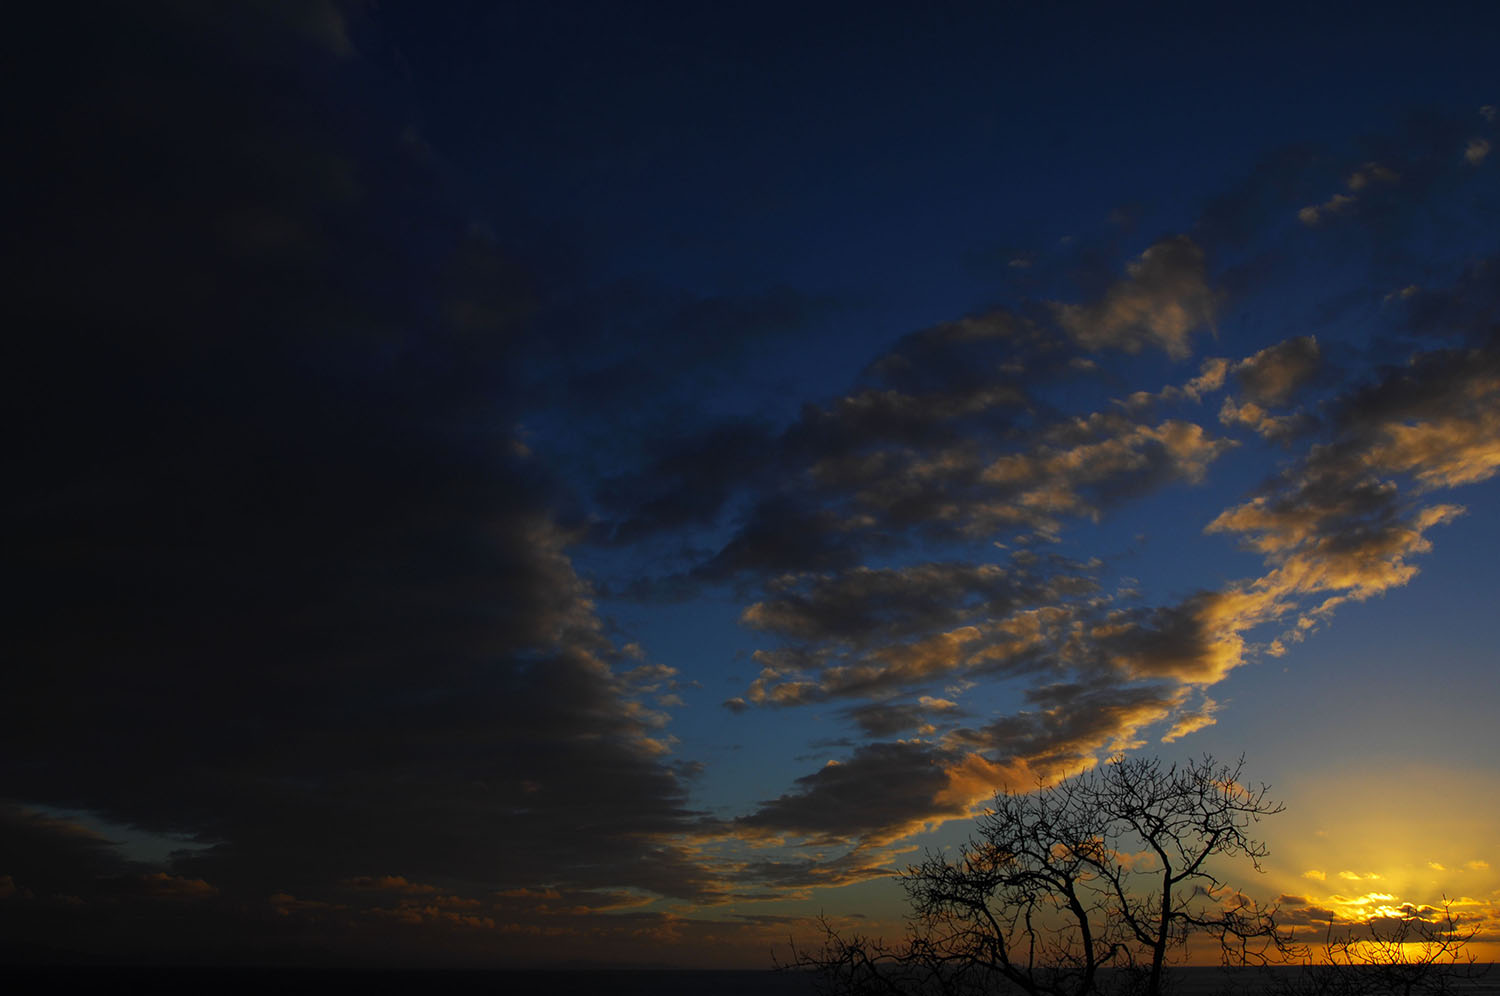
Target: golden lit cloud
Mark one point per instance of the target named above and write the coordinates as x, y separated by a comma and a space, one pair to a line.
1192, 721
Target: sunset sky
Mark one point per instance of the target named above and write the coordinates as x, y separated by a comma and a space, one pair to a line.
604, 483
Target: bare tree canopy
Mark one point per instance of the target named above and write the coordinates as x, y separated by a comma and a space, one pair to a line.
1086, 886
1420, 951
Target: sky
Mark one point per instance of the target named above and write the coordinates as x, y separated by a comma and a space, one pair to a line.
605, 484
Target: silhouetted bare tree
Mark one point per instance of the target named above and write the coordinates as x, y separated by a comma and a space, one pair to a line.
1419, 951
1087, 886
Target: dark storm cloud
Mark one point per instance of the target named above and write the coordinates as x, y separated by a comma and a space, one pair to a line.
876, 794
289, 584
879, 720
866, 606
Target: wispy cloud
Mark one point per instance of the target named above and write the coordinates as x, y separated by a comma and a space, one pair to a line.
1163, 299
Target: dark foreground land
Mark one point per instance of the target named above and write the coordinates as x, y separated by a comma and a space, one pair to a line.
591, 982
100, 980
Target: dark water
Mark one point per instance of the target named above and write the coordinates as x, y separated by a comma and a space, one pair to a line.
592, 982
